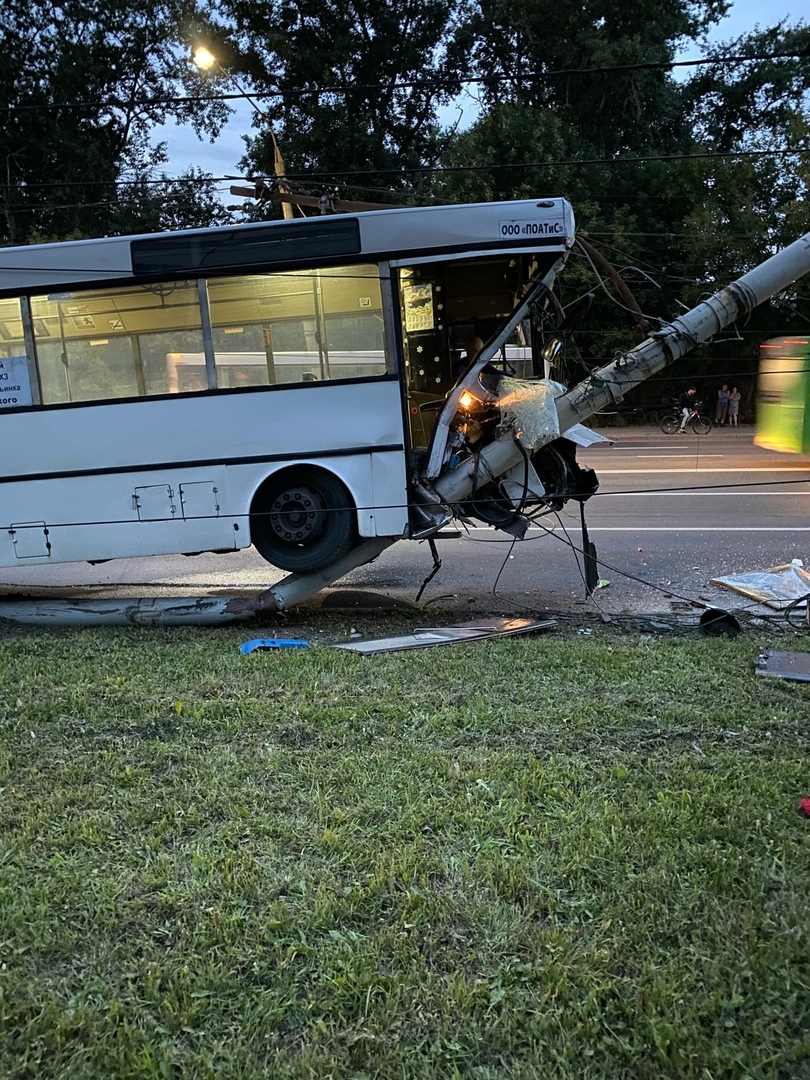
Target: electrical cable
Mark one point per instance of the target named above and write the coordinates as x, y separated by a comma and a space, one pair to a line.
543, 531
410, 84
668, 591
792, 606
650, 318
689, 488
506, 559
339, 178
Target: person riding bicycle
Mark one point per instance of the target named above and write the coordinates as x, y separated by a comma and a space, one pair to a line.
687, 405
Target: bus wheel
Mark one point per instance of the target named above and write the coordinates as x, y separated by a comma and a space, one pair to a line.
302, 520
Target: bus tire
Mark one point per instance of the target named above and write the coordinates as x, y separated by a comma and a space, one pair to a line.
302, 520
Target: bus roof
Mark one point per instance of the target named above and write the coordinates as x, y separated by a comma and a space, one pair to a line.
412, 234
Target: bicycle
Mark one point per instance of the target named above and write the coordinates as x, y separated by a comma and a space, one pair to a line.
700, 425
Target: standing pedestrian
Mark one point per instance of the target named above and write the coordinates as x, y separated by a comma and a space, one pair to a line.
734, 407
721, 411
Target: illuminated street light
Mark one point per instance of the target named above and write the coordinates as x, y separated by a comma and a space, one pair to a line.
205, 60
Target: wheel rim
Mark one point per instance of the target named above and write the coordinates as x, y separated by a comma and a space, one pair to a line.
298, 516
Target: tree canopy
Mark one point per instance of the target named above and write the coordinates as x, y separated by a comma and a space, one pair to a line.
684, 177
82, 86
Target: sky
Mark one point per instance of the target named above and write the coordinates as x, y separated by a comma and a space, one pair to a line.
186, 150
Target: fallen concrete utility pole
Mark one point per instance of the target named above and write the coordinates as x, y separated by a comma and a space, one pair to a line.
609, 384
295, 588
127, 611
187, 610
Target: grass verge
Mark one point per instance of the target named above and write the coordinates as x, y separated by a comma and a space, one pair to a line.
553, 857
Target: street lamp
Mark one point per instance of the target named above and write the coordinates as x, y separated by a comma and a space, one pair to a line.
205, 60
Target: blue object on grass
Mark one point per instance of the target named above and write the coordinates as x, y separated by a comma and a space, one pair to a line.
273, 643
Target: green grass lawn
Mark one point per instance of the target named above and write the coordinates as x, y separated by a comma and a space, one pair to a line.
559, 856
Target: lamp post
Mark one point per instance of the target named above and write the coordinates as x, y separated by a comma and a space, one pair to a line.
205, 60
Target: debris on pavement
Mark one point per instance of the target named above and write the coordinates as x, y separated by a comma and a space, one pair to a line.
428, 637
602, 583
792, 666
272, 643
777, 586
715, 621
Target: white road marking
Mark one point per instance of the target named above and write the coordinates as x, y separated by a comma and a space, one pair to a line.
692, 494
679, 448
571, 526
730, 469
698, 528
681, 452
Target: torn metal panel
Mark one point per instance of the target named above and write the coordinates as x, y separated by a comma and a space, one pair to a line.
447, 635
792, 666
585, 436
506, 625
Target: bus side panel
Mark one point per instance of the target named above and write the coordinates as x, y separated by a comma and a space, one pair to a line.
117, 515
137, 477
280, 422
389, 484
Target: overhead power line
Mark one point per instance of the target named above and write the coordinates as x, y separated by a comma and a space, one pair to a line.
409, 84
415, 170
640, 160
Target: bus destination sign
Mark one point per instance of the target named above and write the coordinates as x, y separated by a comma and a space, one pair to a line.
15, 382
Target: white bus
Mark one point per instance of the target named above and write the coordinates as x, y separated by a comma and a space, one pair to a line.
284, 384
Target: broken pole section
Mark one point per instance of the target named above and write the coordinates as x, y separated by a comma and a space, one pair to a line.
192, 610
296, 588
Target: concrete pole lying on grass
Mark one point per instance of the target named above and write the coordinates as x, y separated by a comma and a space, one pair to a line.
188, 610
296, 588
609, 384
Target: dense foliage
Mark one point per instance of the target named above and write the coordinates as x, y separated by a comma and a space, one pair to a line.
82, 86
637, 142
685, 176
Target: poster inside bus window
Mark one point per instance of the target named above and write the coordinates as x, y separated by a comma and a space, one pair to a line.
15, 382
418, 301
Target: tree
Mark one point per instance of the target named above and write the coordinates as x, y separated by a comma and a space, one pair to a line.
338, 69
638, 149
82, 84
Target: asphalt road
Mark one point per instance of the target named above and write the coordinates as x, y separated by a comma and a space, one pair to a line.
671, 512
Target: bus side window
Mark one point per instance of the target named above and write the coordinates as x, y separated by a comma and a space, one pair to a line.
298, 327
99, 345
